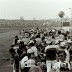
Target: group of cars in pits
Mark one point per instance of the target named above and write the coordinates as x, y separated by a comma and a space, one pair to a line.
42, 51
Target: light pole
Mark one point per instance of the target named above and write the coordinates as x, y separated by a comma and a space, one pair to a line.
61, 15
71, 14
71, 17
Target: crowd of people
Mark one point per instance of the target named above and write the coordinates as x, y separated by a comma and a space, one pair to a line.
42, 51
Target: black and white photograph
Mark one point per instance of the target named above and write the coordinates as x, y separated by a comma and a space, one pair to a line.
35, 35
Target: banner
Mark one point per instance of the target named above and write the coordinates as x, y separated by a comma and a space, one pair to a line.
66, 23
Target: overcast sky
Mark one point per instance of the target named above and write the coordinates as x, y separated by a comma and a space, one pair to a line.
40, 9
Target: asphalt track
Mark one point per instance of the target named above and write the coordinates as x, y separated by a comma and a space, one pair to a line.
6, 68
6, 40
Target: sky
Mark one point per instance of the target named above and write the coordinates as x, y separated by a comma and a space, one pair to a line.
40, 9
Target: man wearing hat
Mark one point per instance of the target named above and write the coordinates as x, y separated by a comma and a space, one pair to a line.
61, 65
64, 48
32, 47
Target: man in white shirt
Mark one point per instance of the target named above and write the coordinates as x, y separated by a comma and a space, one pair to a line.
23, 62
28, 61
33, 48
62, 65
